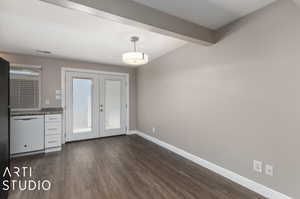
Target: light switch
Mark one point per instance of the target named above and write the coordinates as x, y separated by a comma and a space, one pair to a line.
47, 101
58, 92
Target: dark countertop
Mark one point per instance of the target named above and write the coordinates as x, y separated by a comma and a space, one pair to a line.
43, 111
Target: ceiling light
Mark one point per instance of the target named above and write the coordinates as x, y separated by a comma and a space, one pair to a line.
135, 58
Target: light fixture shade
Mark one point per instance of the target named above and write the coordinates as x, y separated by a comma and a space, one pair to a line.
135, 58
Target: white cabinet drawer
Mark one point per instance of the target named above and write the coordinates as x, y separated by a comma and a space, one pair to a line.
52, 141
53, 118
52, 128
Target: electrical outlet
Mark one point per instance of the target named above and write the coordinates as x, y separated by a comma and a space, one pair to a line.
257, 166
269, 170
153, 130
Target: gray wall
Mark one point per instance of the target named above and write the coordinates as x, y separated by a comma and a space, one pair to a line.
51, 76
234, 102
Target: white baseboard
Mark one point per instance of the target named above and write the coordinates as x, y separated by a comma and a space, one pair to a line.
250, 184
26, 154
54, 149
131, 132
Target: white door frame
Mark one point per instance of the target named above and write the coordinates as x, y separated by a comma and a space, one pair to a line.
64, 70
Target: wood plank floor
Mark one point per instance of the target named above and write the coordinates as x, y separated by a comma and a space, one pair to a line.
125, 167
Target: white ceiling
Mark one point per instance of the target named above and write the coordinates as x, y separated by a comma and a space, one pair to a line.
209, 13
27, 26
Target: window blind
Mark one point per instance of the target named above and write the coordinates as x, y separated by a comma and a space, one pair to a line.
25, 88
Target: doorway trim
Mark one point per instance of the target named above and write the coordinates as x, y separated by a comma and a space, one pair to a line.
64, 70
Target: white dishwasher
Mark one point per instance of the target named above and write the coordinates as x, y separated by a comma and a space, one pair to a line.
27, 134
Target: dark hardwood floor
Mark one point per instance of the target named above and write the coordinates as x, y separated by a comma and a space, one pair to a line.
126, 167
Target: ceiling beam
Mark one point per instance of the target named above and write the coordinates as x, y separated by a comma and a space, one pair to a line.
138, 15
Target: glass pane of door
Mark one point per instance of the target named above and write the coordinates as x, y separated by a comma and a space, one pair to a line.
82, 105
113, 104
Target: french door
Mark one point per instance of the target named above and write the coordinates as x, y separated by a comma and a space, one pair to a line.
112, 105
95, 105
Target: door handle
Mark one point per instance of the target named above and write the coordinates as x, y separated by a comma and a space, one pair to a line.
52, 129
53, 141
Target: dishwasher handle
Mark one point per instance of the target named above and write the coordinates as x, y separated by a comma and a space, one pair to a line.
27, 119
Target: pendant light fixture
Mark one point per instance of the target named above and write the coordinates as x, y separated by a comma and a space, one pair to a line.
135, 58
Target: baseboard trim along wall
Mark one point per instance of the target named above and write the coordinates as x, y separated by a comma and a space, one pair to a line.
250, 184
131, 132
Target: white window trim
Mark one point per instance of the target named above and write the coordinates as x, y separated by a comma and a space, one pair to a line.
26, 66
